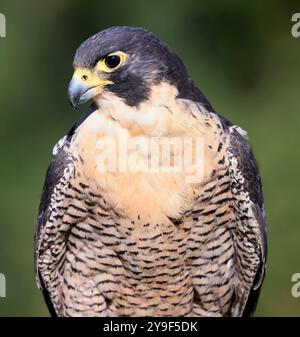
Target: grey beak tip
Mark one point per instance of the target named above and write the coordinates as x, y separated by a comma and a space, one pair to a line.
79, 93
74, 107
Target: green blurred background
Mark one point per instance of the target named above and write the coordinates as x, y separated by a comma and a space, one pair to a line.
240, 53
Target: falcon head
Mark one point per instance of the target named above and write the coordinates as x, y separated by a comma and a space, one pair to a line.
127, 62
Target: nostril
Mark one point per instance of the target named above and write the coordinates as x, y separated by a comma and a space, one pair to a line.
84, 77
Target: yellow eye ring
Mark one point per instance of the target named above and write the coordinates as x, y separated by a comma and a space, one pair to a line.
112, 62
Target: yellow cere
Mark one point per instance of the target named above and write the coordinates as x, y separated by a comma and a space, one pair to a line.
90, 77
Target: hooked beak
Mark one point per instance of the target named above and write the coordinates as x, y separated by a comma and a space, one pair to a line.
84, 85
78, 92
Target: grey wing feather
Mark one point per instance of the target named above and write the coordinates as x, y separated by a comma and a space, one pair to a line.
54, 174
60, 161
247, 182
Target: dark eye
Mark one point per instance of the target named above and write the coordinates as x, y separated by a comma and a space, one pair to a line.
112, 61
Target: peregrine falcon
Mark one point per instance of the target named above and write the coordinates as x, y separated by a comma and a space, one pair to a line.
138, 242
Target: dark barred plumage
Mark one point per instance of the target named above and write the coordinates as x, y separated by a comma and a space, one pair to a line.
104, 252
